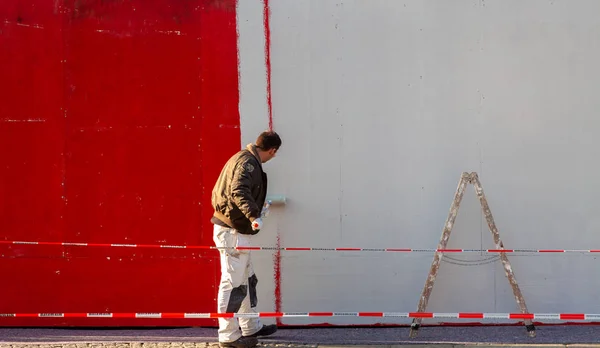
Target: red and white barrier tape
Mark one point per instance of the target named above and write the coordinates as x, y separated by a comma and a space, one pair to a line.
209, 247
515, 316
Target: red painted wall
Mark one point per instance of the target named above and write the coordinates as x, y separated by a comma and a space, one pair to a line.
115, 119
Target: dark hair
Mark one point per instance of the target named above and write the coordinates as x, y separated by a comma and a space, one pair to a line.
268, 140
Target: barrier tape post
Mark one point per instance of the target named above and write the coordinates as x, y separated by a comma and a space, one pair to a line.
468, 178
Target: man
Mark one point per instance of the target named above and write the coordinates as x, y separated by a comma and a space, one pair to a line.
238, 198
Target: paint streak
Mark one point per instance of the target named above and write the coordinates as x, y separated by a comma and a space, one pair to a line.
170, 32
31, 120
35, 26
277, 256
266, 18
277, 262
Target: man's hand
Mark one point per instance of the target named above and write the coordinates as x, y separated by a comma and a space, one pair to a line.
257, 224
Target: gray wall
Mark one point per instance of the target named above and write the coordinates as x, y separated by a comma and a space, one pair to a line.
383, 104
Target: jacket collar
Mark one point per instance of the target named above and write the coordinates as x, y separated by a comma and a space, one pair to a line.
252, 148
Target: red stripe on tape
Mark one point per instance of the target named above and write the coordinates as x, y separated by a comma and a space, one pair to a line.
270, 314
370, 314
551, 251
521, 316
348, 249
401, 250
471, 315
450, 250
320, 314
221, 315
173, 315
124, 315
75, 315
573, 316
420, 315
297, 249
500, 250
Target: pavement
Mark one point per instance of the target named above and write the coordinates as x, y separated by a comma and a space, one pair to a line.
435, 336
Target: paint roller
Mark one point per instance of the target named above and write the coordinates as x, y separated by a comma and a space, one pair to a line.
276, 199
272, 200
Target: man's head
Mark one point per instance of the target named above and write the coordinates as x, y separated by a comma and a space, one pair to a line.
267, 144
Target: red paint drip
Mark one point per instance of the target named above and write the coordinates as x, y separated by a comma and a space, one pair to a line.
277, 276
277, 256
267, 25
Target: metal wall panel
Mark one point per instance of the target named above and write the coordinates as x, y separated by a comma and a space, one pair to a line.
115, 120
382, 104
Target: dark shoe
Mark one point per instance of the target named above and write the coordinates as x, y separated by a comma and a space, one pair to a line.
265, 331
242, 342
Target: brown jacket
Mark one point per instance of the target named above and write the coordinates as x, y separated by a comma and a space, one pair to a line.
240, 192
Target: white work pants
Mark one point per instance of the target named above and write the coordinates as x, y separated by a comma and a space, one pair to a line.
237, 290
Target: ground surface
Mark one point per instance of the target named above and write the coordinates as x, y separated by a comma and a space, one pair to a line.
311, 337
